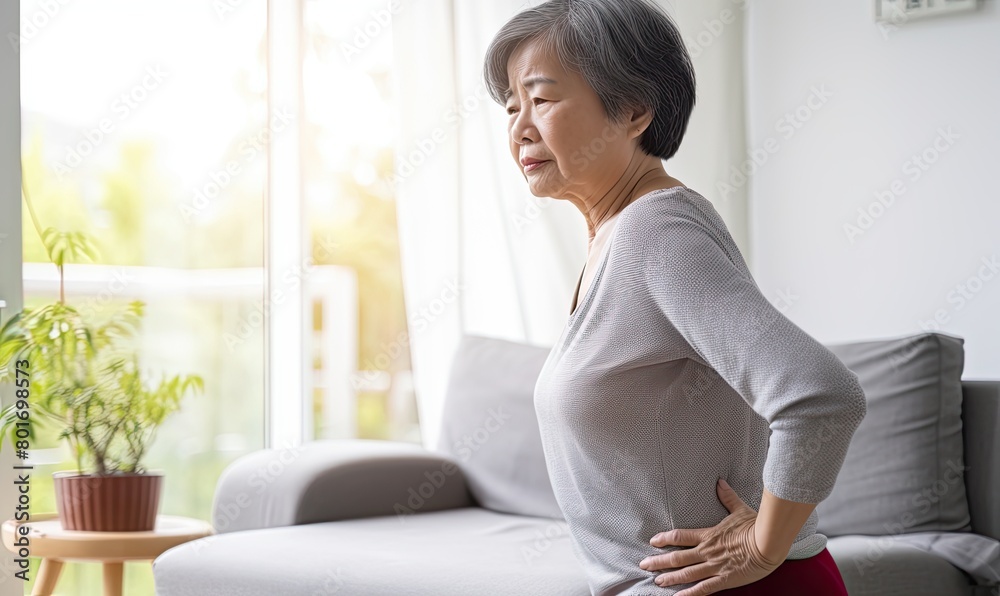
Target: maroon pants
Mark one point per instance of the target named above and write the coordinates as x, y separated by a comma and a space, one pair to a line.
816, 576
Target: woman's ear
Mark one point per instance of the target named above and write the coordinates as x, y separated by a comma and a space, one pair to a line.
640, 120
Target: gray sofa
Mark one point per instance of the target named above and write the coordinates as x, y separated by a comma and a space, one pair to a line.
916, 507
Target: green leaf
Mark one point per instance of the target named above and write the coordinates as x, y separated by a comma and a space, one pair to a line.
86, 380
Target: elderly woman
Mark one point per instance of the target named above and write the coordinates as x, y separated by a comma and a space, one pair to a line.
689, 427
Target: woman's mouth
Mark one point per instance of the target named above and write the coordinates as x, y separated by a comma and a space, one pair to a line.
534, 166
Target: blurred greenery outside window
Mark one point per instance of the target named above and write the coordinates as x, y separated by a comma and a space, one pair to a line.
160, 153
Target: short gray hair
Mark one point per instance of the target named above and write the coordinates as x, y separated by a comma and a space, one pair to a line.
629, 51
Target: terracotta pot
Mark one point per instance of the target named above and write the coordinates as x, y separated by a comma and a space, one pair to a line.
108, 503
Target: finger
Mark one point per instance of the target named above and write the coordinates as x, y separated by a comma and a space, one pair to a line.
687, 575
679, 537
728, 496
672, 560
709, 586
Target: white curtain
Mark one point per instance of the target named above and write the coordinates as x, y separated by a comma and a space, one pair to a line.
480, 253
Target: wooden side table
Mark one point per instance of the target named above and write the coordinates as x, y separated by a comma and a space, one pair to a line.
55, 545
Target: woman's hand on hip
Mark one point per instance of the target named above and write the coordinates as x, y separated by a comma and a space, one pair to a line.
724, 556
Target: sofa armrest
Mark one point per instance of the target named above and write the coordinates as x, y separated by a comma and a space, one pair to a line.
981, 433
330, 480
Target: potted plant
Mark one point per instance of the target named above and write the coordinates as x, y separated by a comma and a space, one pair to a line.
85, 382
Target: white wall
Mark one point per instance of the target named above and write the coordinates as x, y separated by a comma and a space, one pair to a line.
713, 33
889, 92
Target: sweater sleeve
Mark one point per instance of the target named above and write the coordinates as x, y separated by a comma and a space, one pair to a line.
812, 402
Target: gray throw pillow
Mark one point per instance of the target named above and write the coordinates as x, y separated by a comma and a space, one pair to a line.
489, 425
904, 470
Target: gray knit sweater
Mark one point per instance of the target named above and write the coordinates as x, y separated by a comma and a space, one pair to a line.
673, 371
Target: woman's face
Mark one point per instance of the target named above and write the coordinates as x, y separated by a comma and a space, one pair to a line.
554, 115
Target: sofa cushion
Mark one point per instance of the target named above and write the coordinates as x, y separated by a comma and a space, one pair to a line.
904, 470
489, 425
882, 566
981, 436
459, 552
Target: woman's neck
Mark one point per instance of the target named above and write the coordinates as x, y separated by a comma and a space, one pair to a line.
648, 181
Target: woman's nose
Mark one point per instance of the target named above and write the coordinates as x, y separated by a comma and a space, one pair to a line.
522, 130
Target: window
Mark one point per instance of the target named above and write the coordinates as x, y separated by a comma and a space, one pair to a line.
148, 126
363, 385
